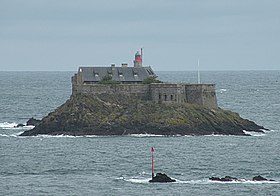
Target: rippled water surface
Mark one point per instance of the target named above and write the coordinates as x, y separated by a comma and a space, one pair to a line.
66, 165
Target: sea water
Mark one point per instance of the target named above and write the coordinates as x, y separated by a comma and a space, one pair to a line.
121, 165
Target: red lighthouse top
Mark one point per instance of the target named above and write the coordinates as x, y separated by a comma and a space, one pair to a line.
138, 59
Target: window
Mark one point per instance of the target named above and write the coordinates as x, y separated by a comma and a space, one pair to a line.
165, 97
171, 97
135, 73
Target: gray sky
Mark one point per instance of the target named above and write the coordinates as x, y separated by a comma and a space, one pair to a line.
63, 34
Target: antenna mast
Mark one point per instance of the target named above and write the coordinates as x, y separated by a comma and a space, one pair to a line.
198, 72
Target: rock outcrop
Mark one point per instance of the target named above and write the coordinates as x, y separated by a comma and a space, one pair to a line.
260, 178
19, 125
32, 122
122, 115
225, 179
230, 179
160, 177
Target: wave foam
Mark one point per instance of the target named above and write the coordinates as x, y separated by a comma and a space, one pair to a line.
54, 136
7, 125
252, 133
138, 180
217, 135
145, 135
64, 136
145, 180
222, 90
243, 181
11, 135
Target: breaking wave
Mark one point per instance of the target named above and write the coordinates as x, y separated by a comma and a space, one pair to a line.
146, 135
6, 125
11, 135
13, 125
143, 180
256, 134
222, 90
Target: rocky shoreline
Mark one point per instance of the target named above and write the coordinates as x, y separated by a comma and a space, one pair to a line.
123, 115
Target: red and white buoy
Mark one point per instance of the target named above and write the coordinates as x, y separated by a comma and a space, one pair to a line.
153, 171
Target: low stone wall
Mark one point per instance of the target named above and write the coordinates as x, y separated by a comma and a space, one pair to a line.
138, 90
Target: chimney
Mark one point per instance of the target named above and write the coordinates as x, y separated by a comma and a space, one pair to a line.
113, 65
124, 65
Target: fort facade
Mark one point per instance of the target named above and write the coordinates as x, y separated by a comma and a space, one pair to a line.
131, 83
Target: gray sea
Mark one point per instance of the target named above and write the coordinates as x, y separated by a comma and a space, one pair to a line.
121, 165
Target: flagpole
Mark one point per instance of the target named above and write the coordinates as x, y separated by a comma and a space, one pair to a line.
198, 72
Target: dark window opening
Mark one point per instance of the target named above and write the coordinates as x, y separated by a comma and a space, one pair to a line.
165, 97
171, 97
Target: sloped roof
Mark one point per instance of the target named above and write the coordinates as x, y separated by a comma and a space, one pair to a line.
122, 74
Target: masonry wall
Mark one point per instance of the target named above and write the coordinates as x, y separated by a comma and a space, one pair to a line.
167, 93
137, 90
201, 94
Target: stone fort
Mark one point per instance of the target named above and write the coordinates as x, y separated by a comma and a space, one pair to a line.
132, 81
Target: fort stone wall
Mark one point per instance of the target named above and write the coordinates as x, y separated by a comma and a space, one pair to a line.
137, 90
167, 93
201, 94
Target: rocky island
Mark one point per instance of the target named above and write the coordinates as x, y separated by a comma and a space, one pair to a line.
130, 100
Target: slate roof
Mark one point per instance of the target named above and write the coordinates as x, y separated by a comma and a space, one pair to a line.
122, 74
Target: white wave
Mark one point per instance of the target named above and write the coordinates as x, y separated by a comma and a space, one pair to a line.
222, 90
4, 135
17, 134
145, 180
11, 135
55, 136
46, 136
205, 181
243, 181
252, 133
217, 135
152, 135
268, 131
7, 125
145, 135
138, 180
63, 136
92, 136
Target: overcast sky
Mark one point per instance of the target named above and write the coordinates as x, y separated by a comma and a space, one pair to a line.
63, 34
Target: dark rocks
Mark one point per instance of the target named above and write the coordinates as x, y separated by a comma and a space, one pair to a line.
260, 178
230, 179
160, 177
32, 122
123, 115
20, 125
225, 179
